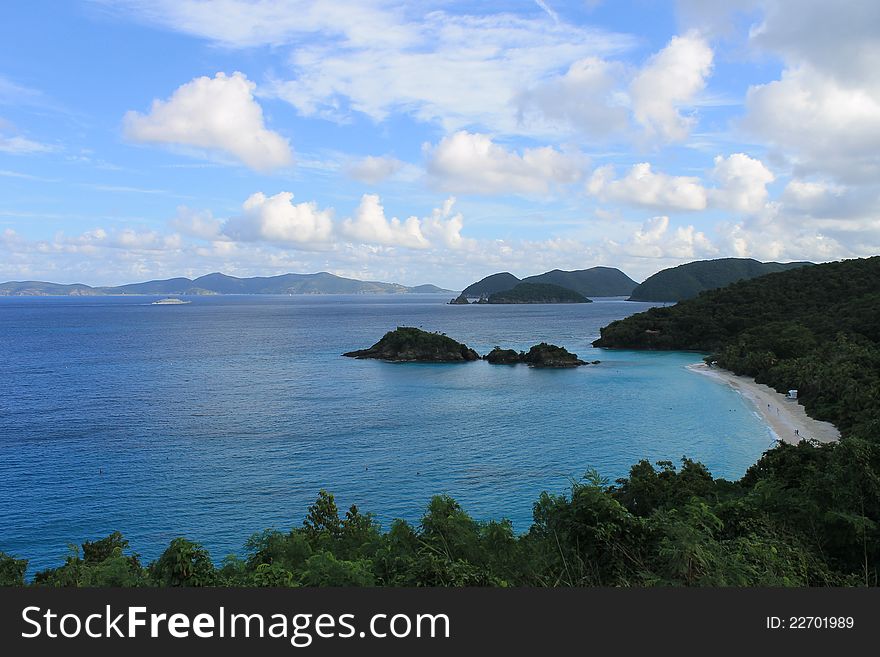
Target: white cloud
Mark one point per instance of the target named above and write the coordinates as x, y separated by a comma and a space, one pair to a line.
458, 71
370, 226
196, 223
823, 114
218, 114
248, 23
472, 163
742, 186
840, 40
587, 98
373, 170
642, 186
16, 144
277, 219
743, 183
654, 239
446, 227
671, 80
822, 125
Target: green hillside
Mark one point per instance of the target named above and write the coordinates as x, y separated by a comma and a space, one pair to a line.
537, 293
490, 285
815, 328
687, 281
593, 282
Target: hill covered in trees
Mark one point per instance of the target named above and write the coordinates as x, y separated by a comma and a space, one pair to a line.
688, 280
537, 293
816, 329
490, 285
592, 282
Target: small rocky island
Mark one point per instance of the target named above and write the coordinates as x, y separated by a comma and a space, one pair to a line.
540, 355
413, 345
407, 344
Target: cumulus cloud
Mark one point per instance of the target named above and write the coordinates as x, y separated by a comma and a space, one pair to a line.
217, 114
654, 239
743, 183
277, 219
445, 227
823, 114
472, 163
643, 186
836, 39
373, 170
671, 80
823, 125
741, 186
369, 225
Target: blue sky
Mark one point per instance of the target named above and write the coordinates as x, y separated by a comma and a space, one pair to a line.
433, 142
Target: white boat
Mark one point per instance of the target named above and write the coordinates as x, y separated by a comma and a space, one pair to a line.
170, 301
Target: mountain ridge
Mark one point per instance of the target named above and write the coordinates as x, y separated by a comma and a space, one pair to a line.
592, 282
217, 283
690, 279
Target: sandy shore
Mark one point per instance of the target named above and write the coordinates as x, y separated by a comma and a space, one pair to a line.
786, 417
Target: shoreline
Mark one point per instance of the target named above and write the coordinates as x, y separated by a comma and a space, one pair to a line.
786, 418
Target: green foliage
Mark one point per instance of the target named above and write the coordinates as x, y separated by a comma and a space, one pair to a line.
815, 329
184, 563
12, 570
688, 280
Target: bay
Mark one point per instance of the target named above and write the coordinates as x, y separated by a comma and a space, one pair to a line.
225, 416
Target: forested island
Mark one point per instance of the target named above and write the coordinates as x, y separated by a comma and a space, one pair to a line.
537, 293
803, 515
410, 344
527, 293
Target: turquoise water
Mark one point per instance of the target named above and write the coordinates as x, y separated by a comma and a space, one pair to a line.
225, 416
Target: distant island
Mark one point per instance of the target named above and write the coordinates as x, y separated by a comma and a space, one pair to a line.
407, 344
320, 283
688, 280
527, 293
537, 293
593, 282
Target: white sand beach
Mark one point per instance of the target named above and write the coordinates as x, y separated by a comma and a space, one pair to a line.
786, 417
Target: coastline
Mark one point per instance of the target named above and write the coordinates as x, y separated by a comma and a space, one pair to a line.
785, 417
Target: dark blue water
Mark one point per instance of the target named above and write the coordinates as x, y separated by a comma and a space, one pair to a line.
223, 417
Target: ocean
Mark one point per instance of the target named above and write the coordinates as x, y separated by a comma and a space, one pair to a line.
220, 418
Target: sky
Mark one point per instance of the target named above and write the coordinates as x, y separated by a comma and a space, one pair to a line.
433, 142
